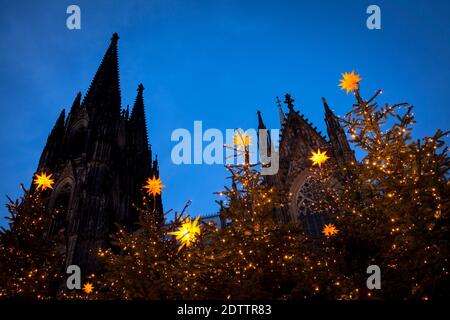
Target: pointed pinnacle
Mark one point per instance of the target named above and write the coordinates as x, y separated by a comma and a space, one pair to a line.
325, 104
115, 37
140, 88
76, 103
260, 121
328, 112
278, 101
289, 101
62, 117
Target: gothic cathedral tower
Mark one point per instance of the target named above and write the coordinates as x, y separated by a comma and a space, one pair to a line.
100, 157
298, 139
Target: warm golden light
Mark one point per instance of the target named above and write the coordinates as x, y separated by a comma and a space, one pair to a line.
241, 140
318, 158
88, 288
154, 186
43, 181
330, 230
187, 233
350, 81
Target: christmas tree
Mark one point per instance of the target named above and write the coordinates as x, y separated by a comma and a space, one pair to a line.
31, 263
142, 263
390, 210
253, 256
393, 208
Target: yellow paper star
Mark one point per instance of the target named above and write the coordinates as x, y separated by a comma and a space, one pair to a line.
154, 186
187, 232
88, 288
330, 230
350, 81
319, 157
43, 181
241, 140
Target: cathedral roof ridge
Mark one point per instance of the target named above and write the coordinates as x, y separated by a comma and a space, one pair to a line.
303, 118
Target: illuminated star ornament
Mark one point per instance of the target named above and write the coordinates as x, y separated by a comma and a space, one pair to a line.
187, 233
154, 186
318, 158
330, 230
350, 81
241, 140
88, 288
43, 181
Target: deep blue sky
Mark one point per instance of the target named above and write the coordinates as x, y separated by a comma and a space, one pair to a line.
215, 61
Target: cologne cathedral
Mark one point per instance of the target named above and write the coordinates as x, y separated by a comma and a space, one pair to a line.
297, 140
99, 157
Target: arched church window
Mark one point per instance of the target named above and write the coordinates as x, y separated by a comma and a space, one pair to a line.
307, 210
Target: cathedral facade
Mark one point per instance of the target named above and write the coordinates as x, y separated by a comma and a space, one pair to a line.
297, 141
99, 156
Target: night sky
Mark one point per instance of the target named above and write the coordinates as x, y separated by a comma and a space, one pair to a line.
215, 61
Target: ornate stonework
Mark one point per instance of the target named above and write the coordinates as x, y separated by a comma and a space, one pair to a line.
298, 139
100, 157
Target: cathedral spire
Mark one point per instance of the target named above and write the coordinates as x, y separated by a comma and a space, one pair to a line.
330, 119
137, 114
104, 92
155, 167
75, 110
58, 129
281, 113
289, 101
328, 111
53, 146
261, 124
137, 121
76, 103
338, 139
59, 125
